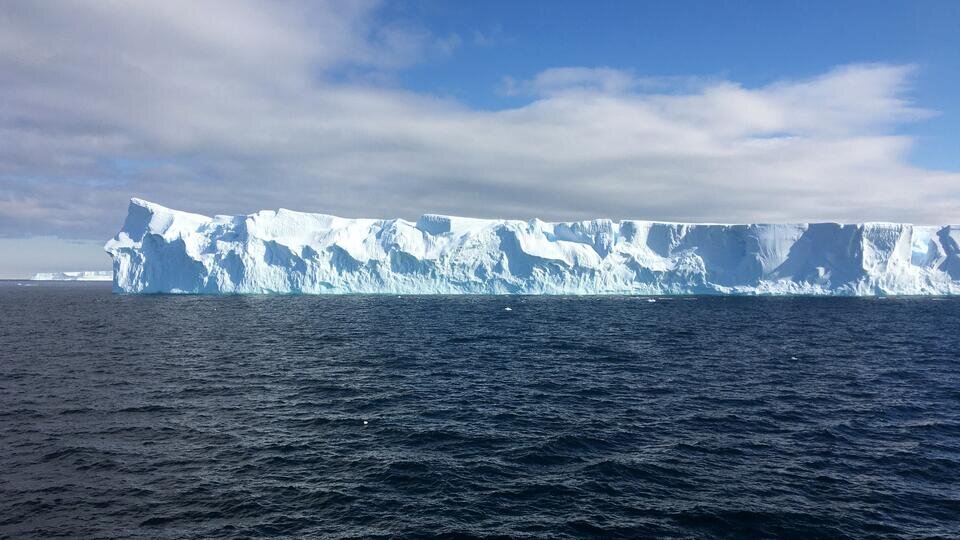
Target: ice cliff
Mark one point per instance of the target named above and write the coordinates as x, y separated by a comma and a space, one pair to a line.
164, 250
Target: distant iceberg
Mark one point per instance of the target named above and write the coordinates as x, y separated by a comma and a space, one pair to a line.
159, 250
87, 275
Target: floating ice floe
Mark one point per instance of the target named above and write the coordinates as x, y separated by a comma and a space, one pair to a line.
87, 275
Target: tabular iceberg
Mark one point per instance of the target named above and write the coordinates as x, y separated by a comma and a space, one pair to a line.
164, 250
84, 275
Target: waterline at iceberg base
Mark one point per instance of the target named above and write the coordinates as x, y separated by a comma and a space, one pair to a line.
160, 250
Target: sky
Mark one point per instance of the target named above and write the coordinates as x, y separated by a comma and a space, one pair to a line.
709, 111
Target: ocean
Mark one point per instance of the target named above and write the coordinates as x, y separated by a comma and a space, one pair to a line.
454, 416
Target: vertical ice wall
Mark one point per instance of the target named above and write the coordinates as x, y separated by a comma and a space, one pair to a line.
164, 250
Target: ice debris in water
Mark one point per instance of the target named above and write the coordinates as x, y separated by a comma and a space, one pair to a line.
282, 251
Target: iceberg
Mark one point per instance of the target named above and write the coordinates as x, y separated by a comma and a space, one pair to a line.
160, 250
86, 275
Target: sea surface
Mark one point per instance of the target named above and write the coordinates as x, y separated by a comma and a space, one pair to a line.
562, 417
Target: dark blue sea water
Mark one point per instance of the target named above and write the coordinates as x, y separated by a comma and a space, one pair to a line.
378, 416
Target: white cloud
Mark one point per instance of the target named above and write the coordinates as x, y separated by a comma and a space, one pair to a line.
234, 106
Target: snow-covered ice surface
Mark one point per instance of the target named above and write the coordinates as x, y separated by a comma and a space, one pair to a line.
164, 250
86, 275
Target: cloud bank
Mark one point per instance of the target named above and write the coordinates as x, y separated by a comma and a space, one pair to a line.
229, 107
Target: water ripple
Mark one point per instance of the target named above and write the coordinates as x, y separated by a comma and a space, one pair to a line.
381, 417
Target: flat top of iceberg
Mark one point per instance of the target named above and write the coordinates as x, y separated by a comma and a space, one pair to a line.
427, 221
